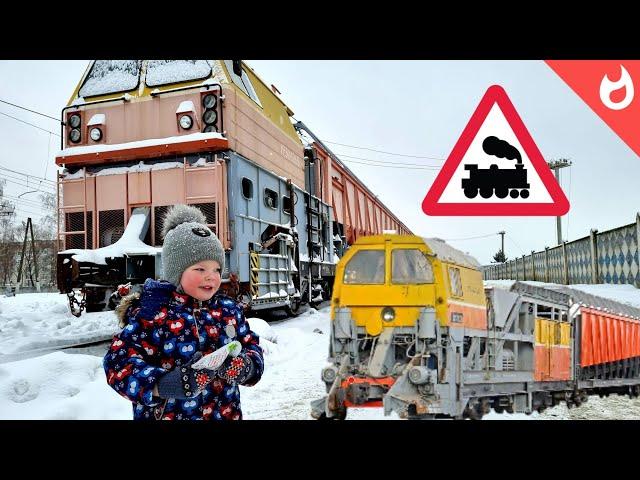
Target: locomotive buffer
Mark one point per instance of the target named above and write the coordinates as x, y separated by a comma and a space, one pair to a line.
495, 180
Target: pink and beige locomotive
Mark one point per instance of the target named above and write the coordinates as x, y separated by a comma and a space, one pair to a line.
142, 135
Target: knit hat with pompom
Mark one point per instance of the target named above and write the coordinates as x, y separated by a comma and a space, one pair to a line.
187, 241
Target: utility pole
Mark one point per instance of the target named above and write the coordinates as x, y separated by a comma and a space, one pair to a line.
502, 249
556, 165
28, 227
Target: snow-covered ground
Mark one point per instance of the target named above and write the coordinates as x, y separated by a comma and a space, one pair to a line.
39, 321
64, 385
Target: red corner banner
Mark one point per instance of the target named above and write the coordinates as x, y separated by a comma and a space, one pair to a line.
607, 86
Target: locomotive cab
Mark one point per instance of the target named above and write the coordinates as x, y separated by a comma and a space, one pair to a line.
392, 302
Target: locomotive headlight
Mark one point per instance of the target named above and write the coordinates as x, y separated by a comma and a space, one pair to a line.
186, 122
210, 128
388, 314
96, 134
209, 101
210, 117
74, 135
74, 121
329, 374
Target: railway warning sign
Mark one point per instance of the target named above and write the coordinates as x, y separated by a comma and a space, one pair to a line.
495, 168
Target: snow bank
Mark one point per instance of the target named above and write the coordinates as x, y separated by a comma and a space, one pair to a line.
32, 321
59, 386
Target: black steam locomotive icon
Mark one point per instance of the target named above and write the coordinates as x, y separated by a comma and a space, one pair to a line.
495, 180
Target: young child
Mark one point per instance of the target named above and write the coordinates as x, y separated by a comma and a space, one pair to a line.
173, 323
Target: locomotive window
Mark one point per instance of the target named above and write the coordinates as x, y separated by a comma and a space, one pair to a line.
163, 72
270, 198
242, 82
365, 267
286, 205
247, 188
455, 282
410, 266
111, 76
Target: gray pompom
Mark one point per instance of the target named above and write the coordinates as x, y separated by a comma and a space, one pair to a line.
181, 214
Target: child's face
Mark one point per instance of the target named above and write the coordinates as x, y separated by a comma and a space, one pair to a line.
201, 280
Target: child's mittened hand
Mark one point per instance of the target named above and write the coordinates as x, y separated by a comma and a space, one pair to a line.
236, 369
184, 382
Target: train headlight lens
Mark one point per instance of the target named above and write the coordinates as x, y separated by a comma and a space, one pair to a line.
74, 121
96, 134
210, 128
210, 117
209, 101
388, 314
74, 135
186, 122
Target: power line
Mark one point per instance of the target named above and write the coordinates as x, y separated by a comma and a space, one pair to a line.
27, 175
388, 153
51, 192
26, 182
31, 124
470, 238
390, 163
389, 166
514, 242
28, 202
28, 110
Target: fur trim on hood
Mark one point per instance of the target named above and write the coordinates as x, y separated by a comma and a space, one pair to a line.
121, 309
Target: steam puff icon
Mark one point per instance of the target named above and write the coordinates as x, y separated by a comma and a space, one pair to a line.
607, 86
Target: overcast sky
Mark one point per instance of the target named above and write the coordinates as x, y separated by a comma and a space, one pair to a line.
409, 107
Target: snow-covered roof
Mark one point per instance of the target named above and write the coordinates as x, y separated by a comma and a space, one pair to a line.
446, 252
616, 299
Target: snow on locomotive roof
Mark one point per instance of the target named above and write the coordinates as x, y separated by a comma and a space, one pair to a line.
446, 252
110, 76
141, 143
163, 72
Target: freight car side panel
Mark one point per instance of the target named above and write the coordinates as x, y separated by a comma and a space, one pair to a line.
552, 350
607, 337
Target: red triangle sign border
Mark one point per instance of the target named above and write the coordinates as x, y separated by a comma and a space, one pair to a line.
495, 94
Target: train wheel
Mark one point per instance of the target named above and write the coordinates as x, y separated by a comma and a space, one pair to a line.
293, 310
502, 192
486, 192
470, 192
524, 193
514, 194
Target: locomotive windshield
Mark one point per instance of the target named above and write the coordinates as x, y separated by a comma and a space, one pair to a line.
163, 72
410, 266
365, 267
111, 76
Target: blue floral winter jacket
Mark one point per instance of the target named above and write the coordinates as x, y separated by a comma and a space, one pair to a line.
164, 330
